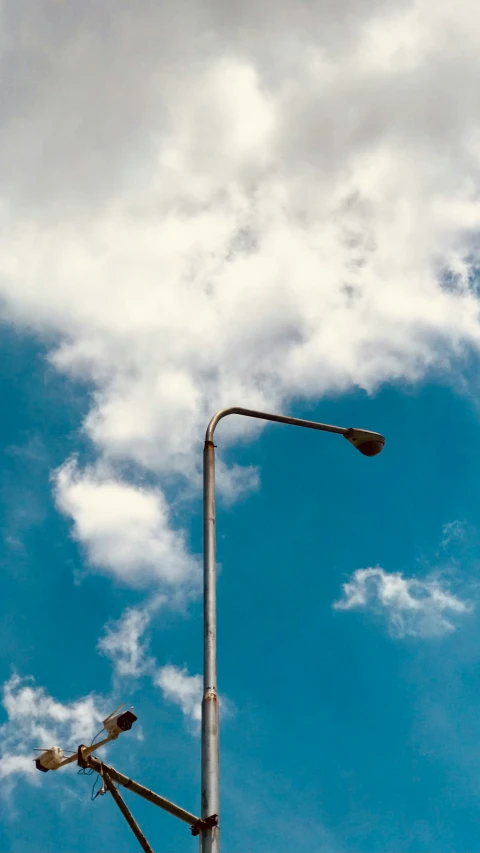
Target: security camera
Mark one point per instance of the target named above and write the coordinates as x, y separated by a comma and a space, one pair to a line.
120, 723
116, 723
368, 443
50, 759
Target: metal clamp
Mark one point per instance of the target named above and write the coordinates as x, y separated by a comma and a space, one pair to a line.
205, 823
82, 761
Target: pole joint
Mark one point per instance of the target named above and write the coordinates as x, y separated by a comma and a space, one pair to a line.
204, 823
82, 760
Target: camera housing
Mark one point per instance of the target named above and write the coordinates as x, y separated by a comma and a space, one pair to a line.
50, 759
115, 724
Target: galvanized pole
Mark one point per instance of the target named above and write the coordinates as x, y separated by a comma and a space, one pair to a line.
210, 837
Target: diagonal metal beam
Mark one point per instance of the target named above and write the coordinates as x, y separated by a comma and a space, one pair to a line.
85, 759
126, 812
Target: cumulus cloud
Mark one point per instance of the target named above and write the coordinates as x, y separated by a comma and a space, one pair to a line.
125, 529
207, 204
36, 719
412, 607
212, 240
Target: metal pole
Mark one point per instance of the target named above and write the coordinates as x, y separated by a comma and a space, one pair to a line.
126, 813
209, 838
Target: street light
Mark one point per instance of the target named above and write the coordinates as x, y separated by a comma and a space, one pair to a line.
206, 826
369, 444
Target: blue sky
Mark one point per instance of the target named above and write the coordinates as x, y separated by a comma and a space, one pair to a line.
274, 206
342, 734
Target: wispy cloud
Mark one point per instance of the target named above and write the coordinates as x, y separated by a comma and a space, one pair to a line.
124, 644
412, 607
185, 690
453, 531
181, 688
36, 719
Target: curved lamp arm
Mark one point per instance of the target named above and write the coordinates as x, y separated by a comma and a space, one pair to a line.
367, 442
264, 416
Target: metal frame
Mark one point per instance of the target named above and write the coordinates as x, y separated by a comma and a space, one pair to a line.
110, 775
118, 799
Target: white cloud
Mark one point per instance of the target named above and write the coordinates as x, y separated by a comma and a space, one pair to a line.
453, 531
186, 691
206, 204
213, 241
232, 481
203, 207
124, 529
35, 719
182, 689
123, 642
412, 607
17, 765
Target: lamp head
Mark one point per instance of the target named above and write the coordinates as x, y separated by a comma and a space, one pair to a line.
368, 443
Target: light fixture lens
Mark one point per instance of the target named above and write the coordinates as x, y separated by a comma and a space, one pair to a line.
370, 448
368, 443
